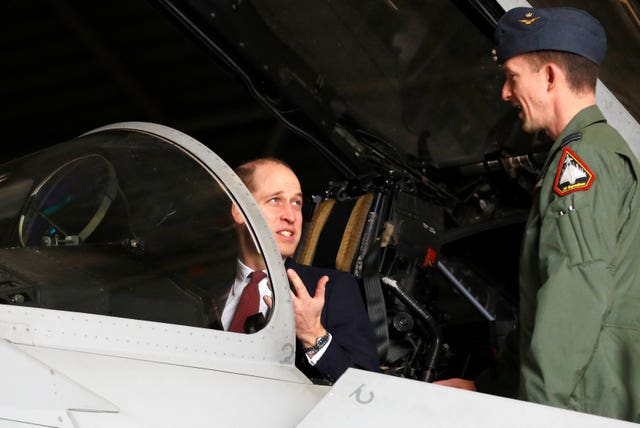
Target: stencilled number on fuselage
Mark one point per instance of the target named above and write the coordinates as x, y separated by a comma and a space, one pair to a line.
360, 392
289, 352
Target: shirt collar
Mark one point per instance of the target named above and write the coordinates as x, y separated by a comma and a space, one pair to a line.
242, 271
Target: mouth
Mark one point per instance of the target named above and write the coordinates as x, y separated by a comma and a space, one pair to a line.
518, 107
285, 233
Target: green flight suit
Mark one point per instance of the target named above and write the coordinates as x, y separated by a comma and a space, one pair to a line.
580, 276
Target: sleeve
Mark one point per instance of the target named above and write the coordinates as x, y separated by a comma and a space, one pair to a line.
577, 256
353, 341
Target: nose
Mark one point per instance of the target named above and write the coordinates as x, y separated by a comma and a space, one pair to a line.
287, 214
506, 91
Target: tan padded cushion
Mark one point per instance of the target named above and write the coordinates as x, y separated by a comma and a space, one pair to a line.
318, 220
353, 233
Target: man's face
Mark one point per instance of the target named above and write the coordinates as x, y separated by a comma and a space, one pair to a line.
526, 89
279, 196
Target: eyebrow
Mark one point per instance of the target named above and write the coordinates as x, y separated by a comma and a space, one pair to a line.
280, 193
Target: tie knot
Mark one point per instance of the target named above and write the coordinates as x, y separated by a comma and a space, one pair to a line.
256, 276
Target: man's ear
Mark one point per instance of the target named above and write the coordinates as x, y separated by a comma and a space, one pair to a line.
552, 73
237, 216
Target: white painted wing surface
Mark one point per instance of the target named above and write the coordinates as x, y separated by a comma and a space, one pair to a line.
364, 399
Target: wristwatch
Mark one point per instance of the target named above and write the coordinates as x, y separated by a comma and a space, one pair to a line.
320, 343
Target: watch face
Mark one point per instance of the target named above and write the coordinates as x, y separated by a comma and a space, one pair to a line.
322, 340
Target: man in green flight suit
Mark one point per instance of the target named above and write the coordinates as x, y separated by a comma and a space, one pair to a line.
579, 329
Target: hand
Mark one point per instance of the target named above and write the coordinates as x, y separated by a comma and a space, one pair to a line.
307, 309
456, 382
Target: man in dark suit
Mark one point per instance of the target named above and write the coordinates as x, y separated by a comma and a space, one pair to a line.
332, 328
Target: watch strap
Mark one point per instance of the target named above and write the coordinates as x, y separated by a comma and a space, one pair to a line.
321, 341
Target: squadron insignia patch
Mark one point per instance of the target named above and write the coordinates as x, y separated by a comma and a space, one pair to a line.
572, 175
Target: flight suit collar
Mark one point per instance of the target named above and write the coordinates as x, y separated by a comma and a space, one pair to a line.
585, 117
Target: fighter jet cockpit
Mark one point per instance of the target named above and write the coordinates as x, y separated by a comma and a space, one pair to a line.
117, 222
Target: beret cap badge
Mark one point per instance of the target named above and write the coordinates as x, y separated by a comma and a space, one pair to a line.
528, 18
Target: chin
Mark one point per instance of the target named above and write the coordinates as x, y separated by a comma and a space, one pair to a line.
287, 251
529, 128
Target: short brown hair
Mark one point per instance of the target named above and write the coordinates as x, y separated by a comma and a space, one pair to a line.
246, 171
582, 73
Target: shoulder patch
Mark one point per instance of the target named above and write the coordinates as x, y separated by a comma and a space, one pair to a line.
573, 174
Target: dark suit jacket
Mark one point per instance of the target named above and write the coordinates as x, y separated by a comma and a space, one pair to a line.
353, 341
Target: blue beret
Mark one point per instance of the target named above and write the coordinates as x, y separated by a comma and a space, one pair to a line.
525, 29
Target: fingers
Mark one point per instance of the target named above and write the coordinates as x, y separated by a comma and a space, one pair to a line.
307, 309
298, 285
268, 301
468, 385
321, 287
301, 291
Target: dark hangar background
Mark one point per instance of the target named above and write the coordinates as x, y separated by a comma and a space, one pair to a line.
69, 66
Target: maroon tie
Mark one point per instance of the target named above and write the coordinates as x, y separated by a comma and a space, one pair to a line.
249, 303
